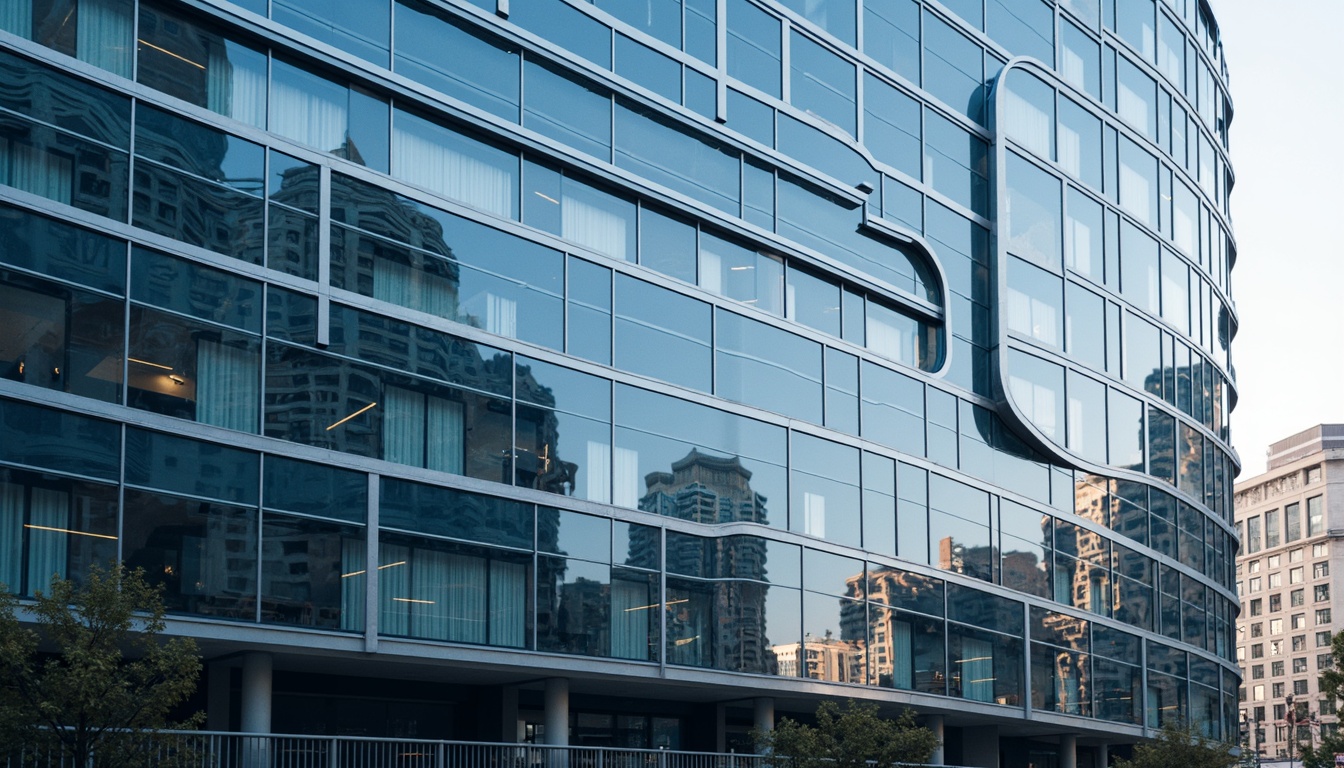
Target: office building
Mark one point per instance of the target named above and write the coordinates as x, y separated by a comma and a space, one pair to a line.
1287, 521
634, 372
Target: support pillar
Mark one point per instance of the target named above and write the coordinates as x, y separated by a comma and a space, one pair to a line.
1068, 751
763, 714
557, 712
256, 708
935, 723
980, 746
1103, 757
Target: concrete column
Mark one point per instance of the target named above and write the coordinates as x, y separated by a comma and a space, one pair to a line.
1068, 751
257, 693
763, 714
217, 686
1103, 757
980, 746
935, 723
557, 712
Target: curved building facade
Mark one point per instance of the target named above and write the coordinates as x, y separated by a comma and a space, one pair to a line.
630, 372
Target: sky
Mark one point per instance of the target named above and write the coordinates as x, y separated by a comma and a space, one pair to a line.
1288, 217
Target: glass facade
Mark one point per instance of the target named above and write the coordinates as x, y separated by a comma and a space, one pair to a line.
882, 344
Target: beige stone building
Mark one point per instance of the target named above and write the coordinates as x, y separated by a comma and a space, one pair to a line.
1290, 520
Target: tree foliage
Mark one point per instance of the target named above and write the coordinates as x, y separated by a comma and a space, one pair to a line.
1332, 689
111, 675
852, 737
1180, 746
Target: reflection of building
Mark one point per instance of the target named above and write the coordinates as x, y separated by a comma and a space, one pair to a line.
1288, 577
706, 489
481, 277
822, 658
711, 489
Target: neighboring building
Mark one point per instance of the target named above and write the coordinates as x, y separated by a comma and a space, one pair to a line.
1288, 520
630, 372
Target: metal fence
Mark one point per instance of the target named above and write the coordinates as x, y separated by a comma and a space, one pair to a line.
200, 749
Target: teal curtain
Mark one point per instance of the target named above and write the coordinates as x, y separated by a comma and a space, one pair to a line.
48, 538
354, 578
508, 603
631, 606
104, 32
902, 656
11, 536
977, 669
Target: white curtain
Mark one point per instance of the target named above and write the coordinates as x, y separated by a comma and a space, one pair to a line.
1135, 193
711, 271
1027, 123
1131, 106
36, 170
354, 577
508, 603
16, 16
1080, 245
403, 426
47, 549
597, 472
1072, 68
445, 449
1037, 401
626, 475
814, 514
591, 226
306, 115
1154, 706
1029, 315
467, 611
630, 611
408, 286
501, 315
228, 386
11, 536
1070, 151
395, 283
103, 34
430, 587
394, 590
235, 91
977, 669
433, 164
885, 339
902, 656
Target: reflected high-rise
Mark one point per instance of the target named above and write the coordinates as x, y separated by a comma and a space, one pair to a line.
681, 360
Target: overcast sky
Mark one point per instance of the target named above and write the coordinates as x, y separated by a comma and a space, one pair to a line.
1288, 213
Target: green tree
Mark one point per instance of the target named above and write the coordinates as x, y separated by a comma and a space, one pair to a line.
110, 677
1331, 684
1180, 746
852, 737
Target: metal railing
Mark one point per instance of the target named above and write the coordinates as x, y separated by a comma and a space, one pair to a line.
203, 749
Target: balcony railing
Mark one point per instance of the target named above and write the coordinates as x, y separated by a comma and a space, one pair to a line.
202, 749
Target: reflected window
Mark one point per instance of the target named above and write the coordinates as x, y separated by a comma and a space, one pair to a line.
312, 573
202, 554
1033, 213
